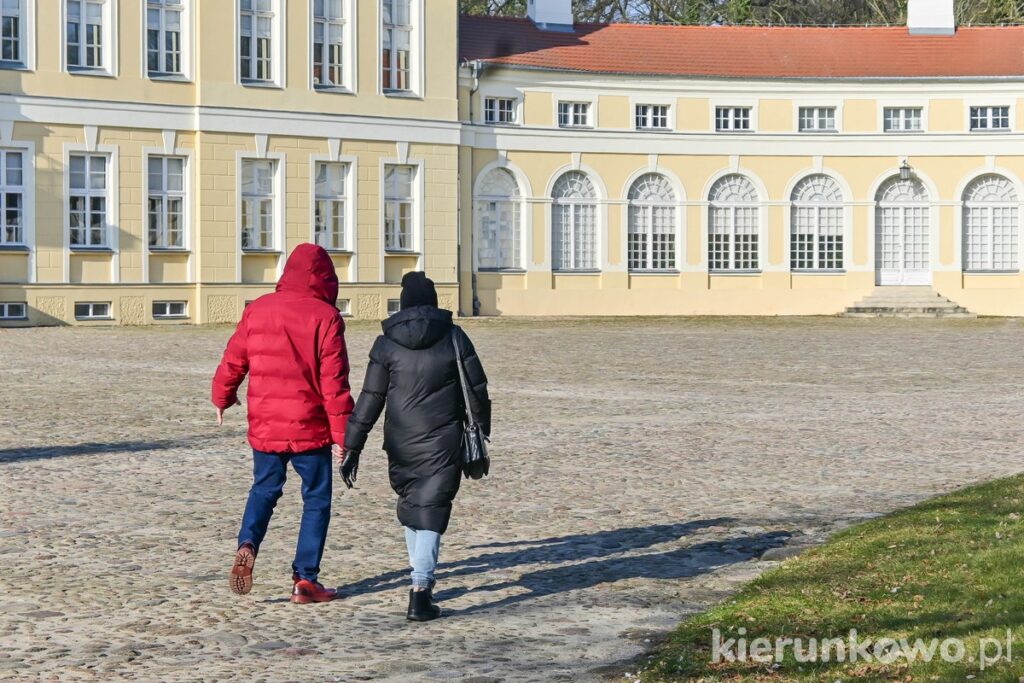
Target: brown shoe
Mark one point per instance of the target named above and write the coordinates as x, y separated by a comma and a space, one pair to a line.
241, 572
305, 592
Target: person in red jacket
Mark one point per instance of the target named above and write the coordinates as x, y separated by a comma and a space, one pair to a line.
292, 345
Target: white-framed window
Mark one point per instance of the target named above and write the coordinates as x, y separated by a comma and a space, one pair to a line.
816, 224
500, 110
903, 119
92, 310
399, 207
990, 118
164, 310
396, 58
88, 35
991, 225
821, 119
394, 306
733, 225
652, 224
15, 33
165, 203
258, 38
499, 222
651, 116
258, 211
12, 197
574, 115
345, 307
164, 33
574, 223
330, 205
330, 44
732, 118
13, 310
88, 200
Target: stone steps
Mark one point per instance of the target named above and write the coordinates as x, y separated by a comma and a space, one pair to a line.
906, 302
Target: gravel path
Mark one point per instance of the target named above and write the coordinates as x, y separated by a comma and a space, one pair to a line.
643, 469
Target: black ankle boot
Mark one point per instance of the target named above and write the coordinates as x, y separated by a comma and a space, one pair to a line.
422, 607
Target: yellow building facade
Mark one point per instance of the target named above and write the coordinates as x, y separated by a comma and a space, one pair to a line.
159, 159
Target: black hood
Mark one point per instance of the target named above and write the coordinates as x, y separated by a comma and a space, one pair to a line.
419, 327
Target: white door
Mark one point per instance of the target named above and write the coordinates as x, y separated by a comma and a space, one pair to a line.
903, 235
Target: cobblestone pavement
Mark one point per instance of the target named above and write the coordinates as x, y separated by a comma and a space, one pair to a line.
643, 469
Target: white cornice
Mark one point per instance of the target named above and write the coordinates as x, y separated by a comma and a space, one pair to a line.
223, 119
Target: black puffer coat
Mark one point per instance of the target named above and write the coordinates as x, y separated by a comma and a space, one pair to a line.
412, 369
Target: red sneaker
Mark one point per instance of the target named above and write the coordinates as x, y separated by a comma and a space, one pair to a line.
305, 591
241, 572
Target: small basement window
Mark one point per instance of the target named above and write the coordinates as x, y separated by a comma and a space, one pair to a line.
345, 306
170, 309
394, 306
13, 310
92, 310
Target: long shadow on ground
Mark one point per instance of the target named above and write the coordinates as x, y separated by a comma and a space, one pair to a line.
92, 448
600, 567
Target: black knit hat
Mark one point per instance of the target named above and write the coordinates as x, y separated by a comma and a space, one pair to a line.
418, 290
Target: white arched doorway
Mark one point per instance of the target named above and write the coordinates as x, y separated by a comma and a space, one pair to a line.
903, 233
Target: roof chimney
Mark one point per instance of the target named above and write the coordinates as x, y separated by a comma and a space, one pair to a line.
931, 17
552, 15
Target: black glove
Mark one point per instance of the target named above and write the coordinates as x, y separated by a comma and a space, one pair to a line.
349, 467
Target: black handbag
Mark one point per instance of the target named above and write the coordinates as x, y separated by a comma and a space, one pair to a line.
475, 462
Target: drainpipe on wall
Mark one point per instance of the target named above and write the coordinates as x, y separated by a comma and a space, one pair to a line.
475, 69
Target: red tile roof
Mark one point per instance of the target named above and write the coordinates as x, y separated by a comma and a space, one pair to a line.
746, 51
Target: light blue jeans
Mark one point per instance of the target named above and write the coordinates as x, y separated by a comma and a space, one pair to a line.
423, 549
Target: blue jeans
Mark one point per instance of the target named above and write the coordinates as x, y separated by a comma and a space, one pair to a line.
423, 549
269, 471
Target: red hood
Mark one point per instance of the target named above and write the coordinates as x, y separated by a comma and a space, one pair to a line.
310, 272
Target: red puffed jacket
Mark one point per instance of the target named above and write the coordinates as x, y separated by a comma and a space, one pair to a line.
292, 345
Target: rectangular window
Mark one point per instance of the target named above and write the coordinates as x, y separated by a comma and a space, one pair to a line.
12, 197
163, 37
12, 28
330, 206
13, 310
256, 20
166, 202
651, 117
328, 43
818, 119
345, 307
398, 208
396, 48
732, 118
902, 119
499, 110
87, 200
394, 306
990, 118
163, 310
258, 203
84, 34
573, 114
92, 310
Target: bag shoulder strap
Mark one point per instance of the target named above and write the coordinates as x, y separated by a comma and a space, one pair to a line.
462, 377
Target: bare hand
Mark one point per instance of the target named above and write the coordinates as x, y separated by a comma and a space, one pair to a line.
338, 452
220, 413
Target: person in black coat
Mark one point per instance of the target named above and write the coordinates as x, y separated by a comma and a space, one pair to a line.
413, 372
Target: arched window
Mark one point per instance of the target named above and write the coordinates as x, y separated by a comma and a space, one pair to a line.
652, 224
733, 225
574, 223
991, 233
816, 237
902, 233
499, 221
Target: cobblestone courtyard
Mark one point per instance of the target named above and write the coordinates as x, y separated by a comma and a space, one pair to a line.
642, 470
